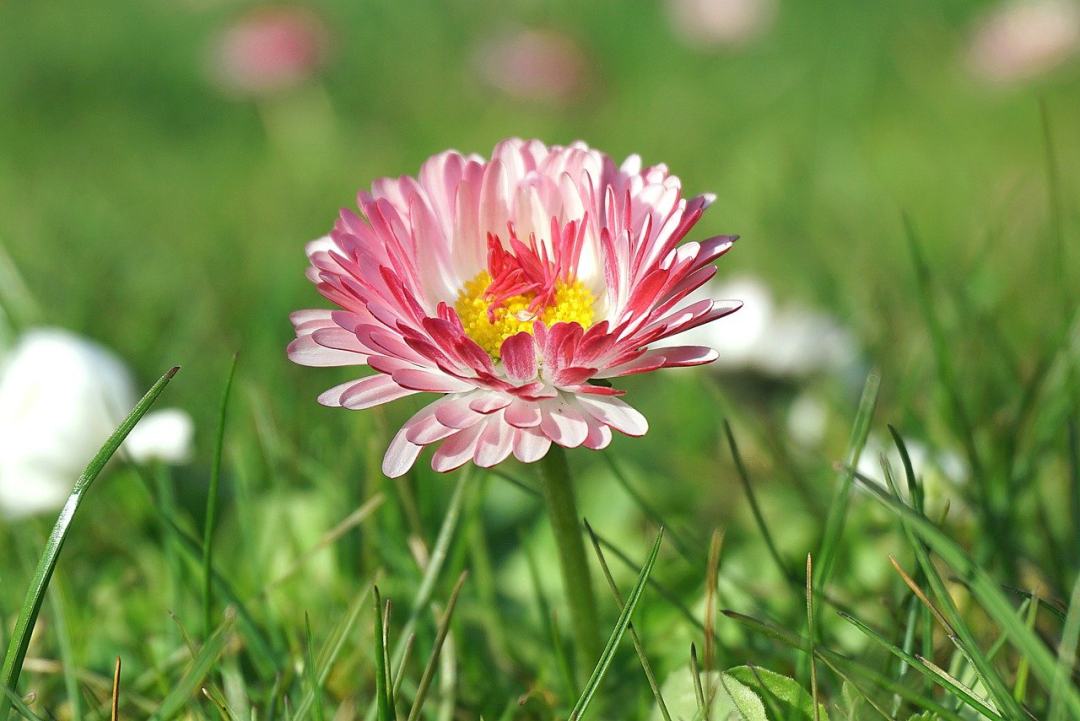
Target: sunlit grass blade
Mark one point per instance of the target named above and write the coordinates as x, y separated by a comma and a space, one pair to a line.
433, 660
35, 595
1070, 636
639, 647
834, 523
844, 667
58, 606
989, 596
382, 688
314, 688
947, 375
953, 686
182, 692
621, 625
329, 653
212, 501
947, 615
759, 518
20, 707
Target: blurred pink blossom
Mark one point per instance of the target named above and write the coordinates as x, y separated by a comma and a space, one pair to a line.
712, 23
269, 49
534, 65
1021, 39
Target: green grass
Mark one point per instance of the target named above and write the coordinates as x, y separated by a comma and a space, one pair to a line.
867, 174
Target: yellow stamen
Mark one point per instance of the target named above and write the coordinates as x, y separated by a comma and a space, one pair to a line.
573, 304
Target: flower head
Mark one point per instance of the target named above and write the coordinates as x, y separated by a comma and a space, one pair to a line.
534, 65
61, 396
514, 287
1022, 39
269, 49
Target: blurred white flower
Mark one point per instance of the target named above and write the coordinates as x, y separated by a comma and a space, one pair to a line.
163, 435
712, 23
807, 420
61, 396
1021, 39
533, 65
937, 472
780, 341
269, 49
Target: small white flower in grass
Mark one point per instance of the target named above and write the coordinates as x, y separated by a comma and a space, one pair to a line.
807, 420
61, 396
786, 342
1022, 39
163, 435
939, 473
717, 23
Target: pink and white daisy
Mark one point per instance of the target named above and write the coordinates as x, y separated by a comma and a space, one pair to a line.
515, 288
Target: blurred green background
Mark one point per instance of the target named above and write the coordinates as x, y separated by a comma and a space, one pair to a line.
149, 207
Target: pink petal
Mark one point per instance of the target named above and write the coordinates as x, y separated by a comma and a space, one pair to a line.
530, 445
456, 450
563, 423
494, 444
433, 382
599, 435
490, 402
522, 414
372, 391
518, 354
306, 352
616, 414
454, 412
400, 455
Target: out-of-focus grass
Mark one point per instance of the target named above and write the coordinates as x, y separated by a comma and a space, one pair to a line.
147, 210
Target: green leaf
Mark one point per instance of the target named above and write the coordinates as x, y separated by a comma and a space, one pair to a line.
793, 701
731, 699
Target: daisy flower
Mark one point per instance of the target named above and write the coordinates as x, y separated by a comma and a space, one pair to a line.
49, 431
516, 288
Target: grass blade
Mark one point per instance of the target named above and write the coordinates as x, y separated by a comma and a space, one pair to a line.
987, 593
440, 638
382, 688
918, 663
616, 635
35, 595
759, 518
329, 654
211, 505
203, 663
639, 647
834, 523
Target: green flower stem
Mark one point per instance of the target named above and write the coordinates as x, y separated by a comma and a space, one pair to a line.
565, 522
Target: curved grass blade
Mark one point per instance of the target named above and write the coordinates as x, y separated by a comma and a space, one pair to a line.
211, 505
621, 625
35, 595
440, 638
918, 663
188, 685
834, 524
638, 645
844, 667
382, 686
986, 592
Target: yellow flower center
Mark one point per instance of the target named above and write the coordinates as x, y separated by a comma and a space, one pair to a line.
573, 304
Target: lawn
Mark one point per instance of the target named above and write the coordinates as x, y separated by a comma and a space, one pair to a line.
875, 177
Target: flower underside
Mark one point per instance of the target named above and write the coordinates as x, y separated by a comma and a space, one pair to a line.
489, 321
